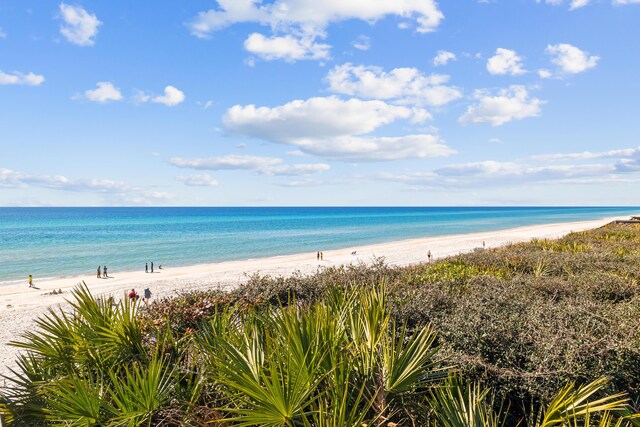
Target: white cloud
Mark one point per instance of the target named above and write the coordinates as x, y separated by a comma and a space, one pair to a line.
406, 85
538, 169
200, 180
105, 92
333, 128
29, 79
376, 148
78, 26
116, 190
545, 74
443, 58
505, 61
577, 4
588, 155
314, 117
509, 104
205, 105
570, 59
362, 43
312, 15
172, 97
288, 48
261, 165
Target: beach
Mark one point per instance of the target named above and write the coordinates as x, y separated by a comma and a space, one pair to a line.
21, 304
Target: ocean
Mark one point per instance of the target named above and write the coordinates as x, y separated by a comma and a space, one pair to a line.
53, 242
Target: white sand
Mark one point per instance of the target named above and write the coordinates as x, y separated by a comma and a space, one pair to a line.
20, 305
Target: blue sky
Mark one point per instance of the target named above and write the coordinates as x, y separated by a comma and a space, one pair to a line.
306, 102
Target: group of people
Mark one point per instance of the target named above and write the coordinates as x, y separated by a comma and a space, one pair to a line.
104, 273
133, 295
320, 256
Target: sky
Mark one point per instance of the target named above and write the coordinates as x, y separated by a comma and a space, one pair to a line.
319, 103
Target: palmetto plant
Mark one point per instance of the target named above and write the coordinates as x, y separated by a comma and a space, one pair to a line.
339, 362
344, 361
87, 367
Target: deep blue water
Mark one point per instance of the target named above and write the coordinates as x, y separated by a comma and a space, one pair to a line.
49, 242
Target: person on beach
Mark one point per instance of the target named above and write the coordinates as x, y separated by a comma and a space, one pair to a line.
133, 296
98, 273
321, 256
429, 256
147, 294
104, 272
146, 267
483, 245
30, 281
152, 266
318, 256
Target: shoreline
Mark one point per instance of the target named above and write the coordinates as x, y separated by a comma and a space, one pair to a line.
21, 304
205, 264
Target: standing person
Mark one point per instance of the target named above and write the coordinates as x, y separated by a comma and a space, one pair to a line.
104, 272
318, 255
98, 273
321, 256
429, 255
152, 266
30, 281
146, 267
483, 246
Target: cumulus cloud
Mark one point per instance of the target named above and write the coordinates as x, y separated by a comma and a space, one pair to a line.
297, 24
115, 190
335, 128
313, 15
78, 26
288, 48
405, 85
199, 180
315, 117
172, 97
261, 165
508, 104
105, 92
570, 59
505, 61
443, 57
16, 78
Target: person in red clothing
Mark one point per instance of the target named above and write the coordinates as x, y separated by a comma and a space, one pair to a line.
133, 296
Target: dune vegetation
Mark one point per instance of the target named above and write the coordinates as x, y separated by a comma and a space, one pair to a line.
545, 333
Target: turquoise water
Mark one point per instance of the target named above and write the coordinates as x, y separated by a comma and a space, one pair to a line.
49, 242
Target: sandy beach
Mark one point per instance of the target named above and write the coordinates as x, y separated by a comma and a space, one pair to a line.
21, 304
